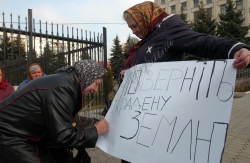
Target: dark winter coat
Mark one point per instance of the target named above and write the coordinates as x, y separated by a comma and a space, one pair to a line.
39, 116
172, 38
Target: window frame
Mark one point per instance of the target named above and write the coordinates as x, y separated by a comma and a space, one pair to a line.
184, 8
239, 3
223, 9
173, 8
196, 3
209, 1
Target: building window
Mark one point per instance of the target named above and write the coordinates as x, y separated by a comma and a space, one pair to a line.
173, 10
239, 5
162, 2
184, 5
223, 9
196, 3
209, 1
210, 11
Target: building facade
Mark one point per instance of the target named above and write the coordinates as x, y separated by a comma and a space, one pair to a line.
215, 7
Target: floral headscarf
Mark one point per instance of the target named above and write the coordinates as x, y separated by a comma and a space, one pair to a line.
87, 71
147, 15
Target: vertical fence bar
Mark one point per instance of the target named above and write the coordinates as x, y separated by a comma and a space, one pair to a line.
63, 46
3, 20
68, 44
105, 63
30, 36
19, 54
34, 39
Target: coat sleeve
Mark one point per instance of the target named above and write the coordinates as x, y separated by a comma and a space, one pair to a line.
199, 44
58, 109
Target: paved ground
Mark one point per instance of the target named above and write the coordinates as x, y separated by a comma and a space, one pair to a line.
237, 148
98, 156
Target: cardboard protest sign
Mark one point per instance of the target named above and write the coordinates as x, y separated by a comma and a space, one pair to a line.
171, 112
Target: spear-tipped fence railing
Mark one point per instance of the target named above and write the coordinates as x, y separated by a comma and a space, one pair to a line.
25, 45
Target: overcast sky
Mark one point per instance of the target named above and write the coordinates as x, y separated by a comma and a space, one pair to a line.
74, 11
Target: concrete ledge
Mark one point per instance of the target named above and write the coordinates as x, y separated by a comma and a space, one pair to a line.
240, 94
247, 92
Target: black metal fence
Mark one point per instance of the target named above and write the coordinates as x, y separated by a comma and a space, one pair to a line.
243, 77
21, 47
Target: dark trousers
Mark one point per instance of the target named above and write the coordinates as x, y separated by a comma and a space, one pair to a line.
64, 155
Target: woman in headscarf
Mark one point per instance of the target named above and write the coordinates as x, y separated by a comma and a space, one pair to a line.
39, 116
5, 87
167, 38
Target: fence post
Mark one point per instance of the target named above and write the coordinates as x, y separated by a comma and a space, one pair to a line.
30, 36
105, 63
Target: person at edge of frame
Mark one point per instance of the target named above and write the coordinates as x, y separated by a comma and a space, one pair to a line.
6, 88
